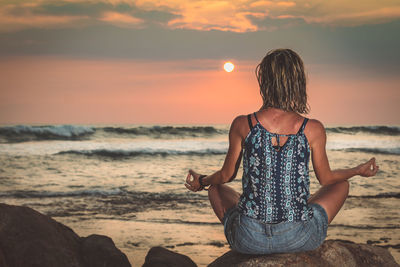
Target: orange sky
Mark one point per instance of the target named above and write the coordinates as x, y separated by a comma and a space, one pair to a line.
60, 90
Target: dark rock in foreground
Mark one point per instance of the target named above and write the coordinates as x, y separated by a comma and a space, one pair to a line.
332, 253
162, 257
100, 250
29, 238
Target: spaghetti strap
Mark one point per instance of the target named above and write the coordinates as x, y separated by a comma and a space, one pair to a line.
249, 120
255, 116
303, 125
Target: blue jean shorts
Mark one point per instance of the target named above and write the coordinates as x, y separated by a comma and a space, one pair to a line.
250, 236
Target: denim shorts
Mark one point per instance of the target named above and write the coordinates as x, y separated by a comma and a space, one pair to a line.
250, 236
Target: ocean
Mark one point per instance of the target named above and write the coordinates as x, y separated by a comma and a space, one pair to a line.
127, 182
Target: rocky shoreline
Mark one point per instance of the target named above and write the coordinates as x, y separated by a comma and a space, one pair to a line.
29, 238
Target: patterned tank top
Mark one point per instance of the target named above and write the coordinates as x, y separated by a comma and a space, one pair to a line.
275, 179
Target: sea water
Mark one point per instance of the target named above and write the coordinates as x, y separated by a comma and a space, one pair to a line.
127, 182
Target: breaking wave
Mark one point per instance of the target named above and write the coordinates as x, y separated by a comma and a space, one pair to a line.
164, 130
21, 133
381, 130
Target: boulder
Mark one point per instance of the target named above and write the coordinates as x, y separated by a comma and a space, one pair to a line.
331, 253
100, 250
162, 257
29, 238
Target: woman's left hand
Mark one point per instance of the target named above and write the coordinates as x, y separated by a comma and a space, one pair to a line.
193, 185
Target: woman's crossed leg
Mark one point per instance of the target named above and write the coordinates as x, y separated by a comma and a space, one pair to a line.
330, 197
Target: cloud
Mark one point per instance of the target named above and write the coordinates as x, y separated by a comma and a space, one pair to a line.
201, 15
238, 15
50, 14
212, 15
341, 13
356, 18
13, 19
119, 19
264, 4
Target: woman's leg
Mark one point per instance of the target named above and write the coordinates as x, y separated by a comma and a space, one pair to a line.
222, 198
331, 198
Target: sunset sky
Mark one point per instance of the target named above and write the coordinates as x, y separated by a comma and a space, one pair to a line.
161, 62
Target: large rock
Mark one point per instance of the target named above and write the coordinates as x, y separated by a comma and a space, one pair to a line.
162, 257
100, 250
331, 253
29, 239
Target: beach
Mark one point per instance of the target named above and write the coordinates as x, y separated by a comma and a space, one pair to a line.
127, 182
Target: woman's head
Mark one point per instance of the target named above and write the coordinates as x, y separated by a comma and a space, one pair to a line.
282, 81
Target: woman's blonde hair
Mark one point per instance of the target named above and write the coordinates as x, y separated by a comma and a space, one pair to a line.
282, 81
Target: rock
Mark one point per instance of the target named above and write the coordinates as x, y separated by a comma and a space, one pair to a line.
3, 262
29, 238
100, 250
331, 253
162, 257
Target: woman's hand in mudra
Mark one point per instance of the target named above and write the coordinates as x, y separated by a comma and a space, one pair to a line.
368, 168
192, 181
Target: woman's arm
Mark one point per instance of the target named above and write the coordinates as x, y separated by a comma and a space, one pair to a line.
232, 160
316, 136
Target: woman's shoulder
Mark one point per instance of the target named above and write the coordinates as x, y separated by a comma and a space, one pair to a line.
314, 130
240, 125
315, 125
239, 119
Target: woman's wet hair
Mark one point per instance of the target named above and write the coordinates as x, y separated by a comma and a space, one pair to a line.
282, 81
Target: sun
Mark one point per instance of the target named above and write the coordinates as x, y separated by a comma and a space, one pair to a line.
228, 66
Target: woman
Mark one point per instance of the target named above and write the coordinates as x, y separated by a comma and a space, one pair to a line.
275, 213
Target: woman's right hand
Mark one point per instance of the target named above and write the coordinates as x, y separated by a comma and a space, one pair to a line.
368, 168
193, 184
